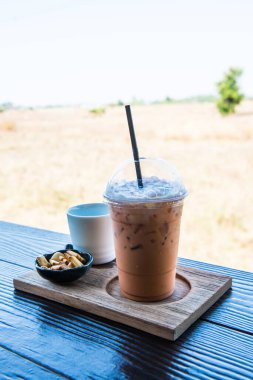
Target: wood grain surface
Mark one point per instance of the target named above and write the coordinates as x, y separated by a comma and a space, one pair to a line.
165, 319
43, 339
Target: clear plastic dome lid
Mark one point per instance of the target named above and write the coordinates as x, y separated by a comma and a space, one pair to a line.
161, 181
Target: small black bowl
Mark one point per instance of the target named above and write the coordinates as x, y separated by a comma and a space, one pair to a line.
65, 275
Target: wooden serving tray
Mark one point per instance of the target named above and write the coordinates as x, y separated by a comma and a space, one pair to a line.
98, 293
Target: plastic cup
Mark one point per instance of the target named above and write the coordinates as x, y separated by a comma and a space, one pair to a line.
146, 225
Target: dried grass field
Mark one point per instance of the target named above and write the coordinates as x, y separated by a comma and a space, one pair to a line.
54, 158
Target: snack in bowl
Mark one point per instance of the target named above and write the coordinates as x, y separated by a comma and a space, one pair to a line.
64, 265
62, 260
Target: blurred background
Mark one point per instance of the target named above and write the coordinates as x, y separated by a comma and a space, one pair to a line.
67, 68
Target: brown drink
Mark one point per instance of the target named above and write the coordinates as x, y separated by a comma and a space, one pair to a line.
146, 242
146, 236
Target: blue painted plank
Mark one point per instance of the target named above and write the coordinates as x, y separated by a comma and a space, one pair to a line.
85, 346
13, 366
49, 333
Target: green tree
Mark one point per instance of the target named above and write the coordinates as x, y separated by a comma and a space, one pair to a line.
229, 92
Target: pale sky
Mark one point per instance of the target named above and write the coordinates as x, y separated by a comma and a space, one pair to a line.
93, 52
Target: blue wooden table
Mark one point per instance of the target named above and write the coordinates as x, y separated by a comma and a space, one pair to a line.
40, 339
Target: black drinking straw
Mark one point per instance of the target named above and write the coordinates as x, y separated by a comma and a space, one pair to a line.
134, 146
